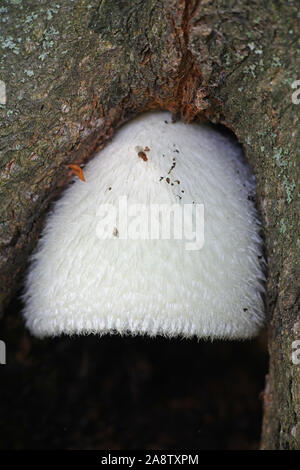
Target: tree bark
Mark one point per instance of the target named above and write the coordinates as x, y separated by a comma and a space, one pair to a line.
72, 72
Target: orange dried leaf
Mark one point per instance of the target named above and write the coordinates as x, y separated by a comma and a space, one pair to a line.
77, 171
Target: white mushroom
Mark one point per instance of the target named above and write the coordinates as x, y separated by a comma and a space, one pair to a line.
97, 270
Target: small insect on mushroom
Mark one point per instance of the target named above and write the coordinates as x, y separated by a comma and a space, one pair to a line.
143, 156
105, 265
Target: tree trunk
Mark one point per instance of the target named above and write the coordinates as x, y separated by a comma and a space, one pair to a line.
72, 72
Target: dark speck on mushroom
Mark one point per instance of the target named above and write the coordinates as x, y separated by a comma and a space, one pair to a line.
172, 167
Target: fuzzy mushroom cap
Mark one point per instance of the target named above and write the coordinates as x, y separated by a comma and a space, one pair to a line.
81, 281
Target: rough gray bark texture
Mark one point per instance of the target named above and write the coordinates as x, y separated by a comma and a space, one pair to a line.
74, 71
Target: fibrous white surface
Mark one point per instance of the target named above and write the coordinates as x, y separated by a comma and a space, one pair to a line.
80, 282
